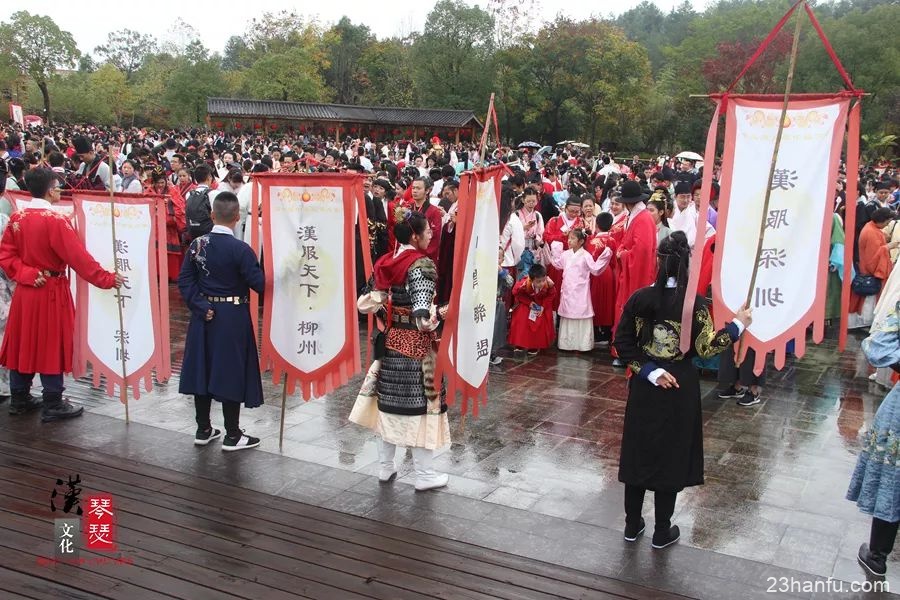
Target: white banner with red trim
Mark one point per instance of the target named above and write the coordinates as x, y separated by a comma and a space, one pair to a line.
467, 339
789, 293
310, 326
142, 343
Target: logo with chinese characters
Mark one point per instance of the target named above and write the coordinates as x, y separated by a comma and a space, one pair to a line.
97, 522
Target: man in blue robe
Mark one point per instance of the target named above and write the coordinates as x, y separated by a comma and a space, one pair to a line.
220, 357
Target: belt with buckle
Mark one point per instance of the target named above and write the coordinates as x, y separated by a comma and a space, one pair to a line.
407, 319
229, 299
48, 273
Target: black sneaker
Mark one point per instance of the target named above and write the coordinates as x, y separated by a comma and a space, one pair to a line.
243, 442
732, 392
749, 399
205, 436
618, 363
870, 562
666, 538
632, 533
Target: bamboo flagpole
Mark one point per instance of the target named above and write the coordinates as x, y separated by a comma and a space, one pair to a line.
762, 224
283, 411
123, 389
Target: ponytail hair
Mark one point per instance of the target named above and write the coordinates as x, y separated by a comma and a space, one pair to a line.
673, 255
413, 224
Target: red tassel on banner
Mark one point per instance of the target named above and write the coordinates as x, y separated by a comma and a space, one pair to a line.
690, 295
849, 220
448, 355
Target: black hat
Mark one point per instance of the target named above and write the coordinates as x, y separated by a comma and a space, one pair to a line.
682, 187
82, 145
632, 193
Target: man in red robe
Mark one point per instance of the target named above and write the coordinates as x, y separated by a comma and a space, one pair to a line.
421, 190
37, 246
637, 253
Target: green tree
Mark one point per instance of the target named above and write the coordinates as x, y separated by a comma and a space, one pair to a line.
109, 89
196, 77
345, 44
454, 56
38, 47
386, 74
126, 50
235, 56
290, 75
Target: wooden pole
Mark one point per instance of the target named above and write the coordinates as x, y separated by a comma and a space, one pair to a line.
123, 389
283, 411
765, 211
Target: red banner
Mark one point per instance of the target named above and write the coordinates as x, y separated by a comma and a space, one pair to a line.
140, 345
310, 328
467, 338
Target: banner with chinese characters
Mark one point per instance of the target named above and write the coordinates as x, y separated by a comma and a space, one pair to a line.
142, 342
465, 349
310, 325
789, 293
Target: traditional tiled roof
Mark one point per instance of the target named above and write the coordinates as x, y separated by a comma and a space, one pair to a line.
236, 108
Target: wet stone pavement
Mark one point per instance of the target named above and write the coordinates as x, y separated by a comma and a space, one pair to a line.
535, 473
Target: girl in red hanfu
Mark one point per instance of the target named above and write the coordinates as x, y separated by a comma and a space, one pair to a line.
185, 183
176, 223
603, 286
620, 217
557, 230
531, 327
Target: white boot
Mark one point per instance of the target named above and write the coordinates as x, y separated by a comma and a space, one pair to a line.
426, 477
388, 470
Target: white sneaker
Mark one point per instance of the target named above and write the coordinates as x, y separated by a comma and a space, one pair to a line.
244, 442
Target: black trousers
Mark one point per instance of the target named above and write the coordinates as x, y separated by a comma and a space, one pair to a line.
729, 374
231, 411
20, 383
664, 506
882, 536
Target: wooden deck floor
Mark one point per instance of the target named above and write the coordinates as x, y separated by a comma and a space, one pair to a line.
198, 539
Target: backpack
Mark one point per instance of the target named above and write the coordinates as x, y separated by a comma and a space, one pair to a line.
197, 210
90, 180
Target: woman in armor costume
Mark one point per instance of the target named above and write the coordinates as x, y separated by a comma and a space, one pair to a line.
398, 399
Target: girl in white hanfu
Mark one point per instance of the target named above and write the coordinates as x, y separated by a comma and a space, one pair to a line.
6, 291
576, 312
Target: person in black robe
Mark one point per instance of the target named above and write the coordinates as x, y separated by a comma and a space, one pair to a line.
662, 441
220, 357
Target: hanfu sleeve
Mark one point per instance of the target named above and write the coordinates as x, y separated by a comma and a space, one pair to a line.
189, 280
420, 285
10, 261
882, 347
707, 341
251, 271
627, 342
69, 247
596, 267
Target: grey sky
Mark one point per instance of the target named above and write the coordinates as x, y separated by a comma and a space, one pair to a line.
90, 21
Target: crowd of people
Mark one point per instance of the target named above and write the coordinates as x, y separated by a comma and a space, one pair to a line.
592, 259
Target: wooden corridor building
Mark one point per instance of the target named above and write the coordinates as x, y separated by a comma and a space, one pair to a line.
337, 120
